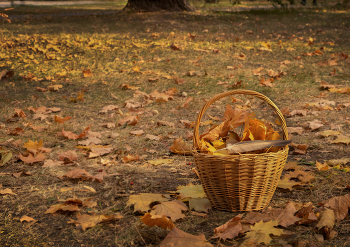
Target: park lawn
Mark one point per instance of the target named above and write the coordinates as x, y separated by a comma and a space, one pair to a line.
99, 60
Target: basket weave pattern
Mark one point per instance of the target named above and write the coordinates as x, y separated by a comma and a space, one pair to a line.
242, 182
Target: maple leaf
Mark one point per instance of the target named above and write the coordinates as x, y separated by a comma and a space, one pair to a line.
53, 88
199, 204
71, 135
295, 130
19, 113
6, 191
30, 159
298, 112
107, 108
130, 120
137, 132
68, 156
327, 219
340, 206
152, 137
26, 218
160, 97
62, 120
180, 147
130, 158
284, 217
15, 131
78, 173
165, 123
230, 229
286, 183
314, 125
179, 238
65, 206
52, 163
322, 167
305, 177
99, 151
33, 146
328, 133
160, 161
238, 116
172, 209
186, 103
179, 81
157, 220
142, 201
87, 73
87, 221
341, 139
260, 233
175, 47
306, 215
191, 191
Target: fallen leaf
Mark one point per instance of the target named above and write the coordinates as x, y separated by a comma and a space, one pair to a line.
157, 220
107, 108
172, 209
314, 125
142, 201
77, 174
165, 123
71, 135
6, 191
130, 120
26, 218
199, 204
340, 205
179, 238
298, 112
180, 147
33, 146
230, 229
99, 151
328, 133
137, 132
186, 103
51, 163
65, 206
341, 139
68, 156
260, 233
297, 130
327, 219
152, 137
305, 177
87, 221
130, 158
190, 191
284, 217
322, 167
62, 120
54, 88
286, 183
87, 73
160, 161
30, 159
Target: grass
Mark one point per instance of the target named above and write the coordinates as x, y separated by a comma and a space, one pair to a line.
111, 46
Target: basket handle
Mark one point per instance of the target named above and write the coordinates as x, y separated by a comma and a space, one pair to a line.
196, 141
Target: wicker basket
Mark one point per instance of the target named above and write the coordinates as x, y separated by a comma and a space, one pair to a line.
242, 182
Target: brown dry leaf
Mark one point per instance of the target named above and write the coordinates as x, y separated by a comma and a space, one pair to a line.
284, 217
142, 201
157, 220
179, 238
15, 131
130, 120
230, 229
30, 159
40, 89
340, 206
258, 71
87, 221
179, 81
99, 151
152, 137
172, 91
87, 73
160, 97
307, 215
90, 140
267, 82
190, 191
19, 174
341, 139
71, 135
107, 108
130, 158
165, 123
19, 113
260, 233
33, 146
127, 86
322, 167
286, 183
295, 130
328, 133
137, 132
254, 130
199, 204
54, 88
172, 209
6, 191
26, 218
315, 125
327, 219
325, 85
298, 112
186, 103
62, 120
305, 177
340, 90
65, 206
78, 173
180, 147
51, 163
175, 47
68, 156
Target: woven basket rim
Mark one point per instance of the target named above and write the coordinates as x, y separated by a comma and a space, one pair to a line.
230, 156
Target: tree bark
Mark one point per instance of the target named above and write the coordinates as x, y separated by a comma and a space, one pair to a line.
157, 5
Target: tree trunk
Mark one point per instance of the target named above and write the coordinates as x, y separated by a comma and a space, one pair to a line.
157, 5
